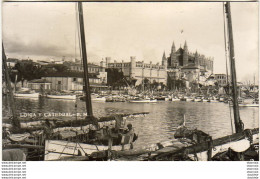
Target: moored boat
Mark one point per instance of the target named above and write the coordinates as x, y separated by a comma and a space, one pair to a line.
175, 99
102, 99
62, 96
27, 95
249, 105
143, 101
197, 100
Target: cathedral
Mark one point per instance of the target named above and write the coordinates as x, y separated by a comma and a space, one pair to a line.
183, 64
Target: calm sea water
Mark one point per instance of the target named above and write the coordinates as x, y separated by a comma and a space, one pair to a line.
159, 125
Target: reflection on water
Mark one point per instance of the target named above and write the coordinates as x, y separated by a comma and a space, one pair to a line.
160, 124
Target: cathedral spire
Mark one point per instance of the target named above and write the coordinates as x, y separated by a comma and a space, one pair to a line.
196, 53
173, 55
164, 59
164, 56
173, 47
185, 54
185, 46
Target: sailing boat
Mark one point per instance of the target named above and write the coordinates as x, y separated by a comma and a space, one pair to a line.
73, 139
237, 143
242, 145
107, 135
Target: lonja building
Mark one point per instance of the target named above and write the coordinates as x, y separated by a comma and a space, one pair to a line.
139, 70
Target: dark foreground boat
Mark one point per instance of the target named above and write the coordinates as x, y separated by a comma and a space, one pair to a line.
66, 140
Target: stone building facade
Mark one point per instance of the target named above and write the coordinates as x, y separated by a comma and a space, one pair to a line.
97, 70
73, 81
139, 70
185, 65
222, 79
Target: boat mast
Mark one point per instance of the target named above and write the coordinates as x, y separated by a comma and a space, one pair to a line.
238, 123
15, 122
85, 61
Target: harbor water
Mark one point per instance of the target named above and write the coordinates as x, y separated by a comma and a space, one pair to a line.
159, 125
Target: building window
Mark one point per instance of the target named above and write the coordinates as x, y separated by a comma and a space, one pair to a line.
59, 82
74, 79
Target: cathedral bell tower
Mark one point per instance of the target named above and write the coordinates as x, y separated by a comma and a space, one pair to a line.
164, 60
174, 61
185, 54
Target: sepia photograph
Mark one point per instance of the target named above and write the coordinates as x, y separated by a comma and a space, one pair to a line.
130, 81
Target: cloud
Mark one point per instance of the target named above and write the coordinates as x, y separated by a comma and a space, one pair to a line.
16, 46
121, 30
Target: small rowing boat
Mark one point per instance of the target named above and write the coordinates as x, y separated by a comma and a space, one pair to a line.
62, 96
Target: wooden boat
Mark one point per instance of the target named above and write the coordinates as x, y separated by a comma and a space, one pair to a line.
208, 150
221, 99
101, 99
238, 143
116, 99
232, 147
246, 103
26, 95
62, 96
90, 131
189, 99
167, 99
161, 98
249, 105
56, 149
213, 100
143, 101
197, 100
175, 99
96, 135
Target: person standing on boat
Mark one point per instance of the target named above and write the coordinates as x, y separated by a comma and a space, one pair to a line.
130, 129
47, 130
130, 133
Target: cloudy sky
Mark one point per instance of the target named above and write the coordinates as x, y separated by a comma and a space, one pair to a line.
119, 30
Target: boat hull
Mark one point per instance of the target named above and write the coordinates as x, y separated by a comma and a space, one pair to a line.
248, 105
198, 100
103, 99
238, 146
71, 97
189, 99
143, 101
32, 95
55, 149
173, 99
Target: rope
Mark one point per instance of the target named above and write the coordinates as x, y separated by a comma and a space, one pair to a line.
83, 150
63, 149
75, 148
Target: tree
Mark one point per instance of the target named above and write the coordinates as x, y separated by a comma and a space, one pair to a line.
27, 71
154, 85
60, 67
145, 85
115, 78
